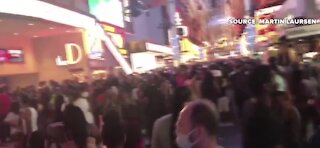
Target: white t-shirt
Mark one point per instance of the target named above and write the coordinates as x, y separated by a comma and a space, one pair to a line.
223, 104
134, 94
14, 119
281, 83
33, 119
83, 104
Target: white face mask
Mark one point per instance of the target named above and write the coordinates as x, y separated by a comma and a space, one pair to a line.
183, 141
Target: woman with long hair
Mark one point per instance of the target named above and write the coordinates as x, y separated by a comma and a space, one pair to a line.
75, 126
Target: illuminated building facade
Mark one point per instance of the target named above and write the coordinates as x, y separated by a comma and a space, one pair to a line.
55, 40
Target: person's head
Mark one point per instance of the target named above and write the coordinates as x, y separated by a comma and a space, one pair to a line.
42, 84
197, 125
25, 101
76, 124
181, 96
113, 133
15, 107
183, 69
2, 89
73, 94
272, 61
282, 99
273, 64
113, 92
262, 82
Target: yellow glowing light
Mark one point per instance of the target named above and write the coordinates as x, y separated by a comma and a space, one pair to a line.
273, 49
92, 43
86, 41
109, 28
70, 58
261, 38
123, 51
117, 39
244, 46
69, 53
188, 48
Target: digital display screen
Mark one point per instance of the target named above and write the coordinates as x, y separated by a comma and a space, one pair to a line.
11, 55
3, 55
15, 55
108, 11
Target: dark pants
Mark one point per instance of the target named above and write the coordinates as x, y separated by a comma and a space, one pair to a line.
36, 140
4, 130
240, 99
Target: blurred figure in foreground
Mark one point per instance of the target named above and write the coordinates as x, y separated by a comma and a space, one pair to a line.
197, 125
13, 120
315, 139
30, 124
5, 103
75, 127
291, 119
262, 128
163, 130
113, 133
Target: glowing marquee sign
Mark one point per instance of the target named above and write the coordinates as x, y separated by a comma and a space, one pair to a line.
108, 11
178, 22
70, 58
116, 36
177, 18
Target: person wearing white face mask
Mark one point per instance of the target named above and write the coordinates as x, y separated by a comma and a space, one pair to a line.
197, 125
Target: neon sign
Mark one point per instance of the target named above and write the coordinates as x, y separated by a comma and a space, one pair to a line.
178, 20
109, 28
96, 56
46, 11
70, 58
11, 55
116, 37
126, 5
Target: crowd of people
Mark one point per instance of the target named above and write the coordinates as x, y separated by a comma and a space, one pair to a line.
277, 106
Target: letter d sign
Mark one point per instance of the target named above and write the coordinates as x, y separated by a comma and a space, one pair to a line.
69, 48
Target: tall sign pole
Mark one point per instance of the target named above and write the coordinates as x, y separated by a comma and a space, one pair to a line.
250, 7
173, 34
